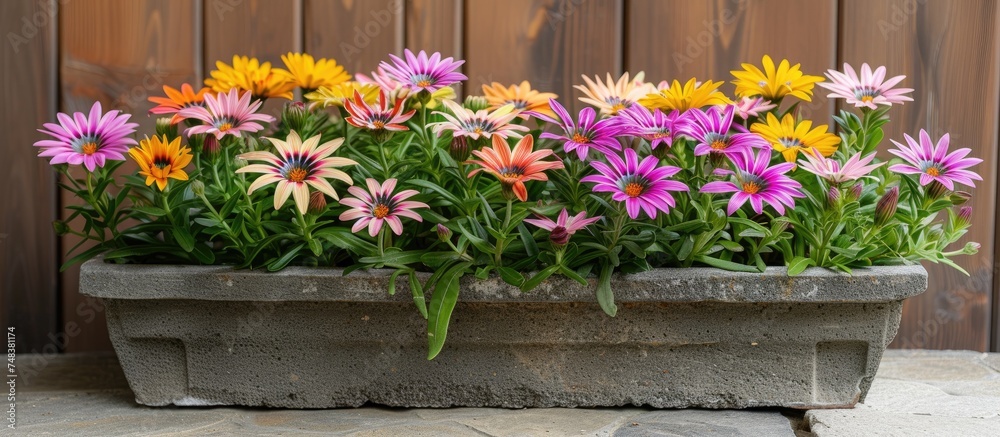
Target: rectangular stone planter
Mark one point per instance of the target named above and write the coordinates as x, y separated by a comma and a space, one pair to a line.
313, 338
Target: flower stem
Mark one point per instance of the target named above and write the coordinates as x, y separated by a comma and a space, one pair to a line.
385, 161
501, 242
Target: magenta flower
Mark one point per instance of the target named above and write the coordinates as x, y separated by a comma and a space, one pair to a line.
564, 227
856, 167
88, 140
653, 126
641, 185
934, 163
715, 132
379, 206
589, 132
752, 106
870, 90
420, 73
226, 114
758, 183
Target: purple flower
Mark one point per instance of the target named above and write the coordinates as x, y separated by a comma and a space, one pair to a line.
653, 126
827, 168
638, 184
758, 183
564, 226
420, 73
589, 132
713, 130
934, 163
870, 90
88, 140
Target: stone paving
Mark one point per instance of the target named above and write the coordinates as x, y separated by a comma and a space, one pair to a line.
916, 393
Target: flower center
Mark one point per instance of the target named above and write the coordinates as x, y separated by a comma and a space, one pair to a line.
933, 171
380, 210
225, 127
580, 138
751, 187
89, 148
866, 94
790, 142
297, 174
378, 124
634, 189
518, 103
478, 130
718, 145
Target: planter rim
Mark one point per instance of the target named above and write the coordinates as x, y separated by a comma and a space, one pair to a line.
679, 285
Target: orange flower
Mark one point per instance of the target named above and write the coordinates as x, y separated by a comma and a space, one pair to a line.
177, 100
514, 167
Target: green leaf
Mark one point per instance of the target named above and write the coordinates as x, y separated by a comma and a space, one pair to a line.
184, 238
443, 300
392, 280
572, 275
530, 284
483, 272
282, 262
445, 194
605, 297
394, 257
799, 264
315, 247
528, 240
418, 294
511, 276
150, 210
84, 256
727, 265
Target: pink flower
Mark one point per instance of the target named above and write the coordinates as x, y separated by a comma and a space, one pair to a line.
758, 182
379, 117
752, 107
88, 140
570, 224
934, 163
870, 90
226, 114
379, 206
422, 73
476, 124
641, 185
831, 170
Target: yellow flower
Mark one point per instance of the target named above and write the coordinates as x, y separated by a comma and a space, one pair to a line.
774, 83
310, 74
790, 138
521, 96
445, 93
691, 95
159, 160
334, 95
611, 97
249, 74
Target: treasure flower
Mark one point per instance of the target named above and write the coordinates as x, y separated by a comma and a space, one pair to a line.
654, 126
752, 107
774, 82
588, 132
522, 96
564, 226
160, 159
226, 114
249, 74
693, 94
176, 100
641, 185
90, 140
379, 206
830, 169
380, 119
475, 124
789, 138
422, 73
933, 162
514, 167
309, 73
758, 182
612, 97
715, 132
327, 96
869, 90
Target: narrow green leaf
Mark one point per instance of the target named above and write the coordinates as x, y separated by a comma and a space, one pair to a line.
533, 282
726, 265
418, 294
511, 276
443, 300
799, 264
605, 297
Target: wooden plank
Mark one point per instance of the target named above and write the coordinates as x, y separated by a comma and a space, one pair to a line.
949, 51
358, 34
435, 26
28, 251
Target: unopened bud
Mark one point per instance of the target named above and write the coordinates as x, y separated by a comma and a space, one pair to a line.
971, 248
661, 151
294, 115
60, 227
717, 160
444, 234
381, 136
165, 127
459, 149
960, 197
886, 206
210, 148
240, 162
964, 217
856, 190
936, 190
476, 103
198, 188
781, 226
833, 197
317, 202
559, 237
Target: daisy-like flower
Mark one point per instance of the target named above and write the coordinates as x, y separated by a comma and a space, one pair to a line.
715, 132
790, 138
298, 166
226, 114
641, 185
379, 206
588, 132
869, 90
310, 74
380, 120
757, 182
653, 126
752, 107
692, 94
160, 160
564, 226
933, 162
249, 74
856, 167
325, 97
88, 140
422, 73
475, 124
774, 83
521, 96
514, 167
176, 100
612, 96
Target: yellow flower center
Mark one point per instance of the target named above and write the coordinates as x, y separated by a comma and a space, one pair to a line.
378, 125
933, 171
718, 145
225, 127
633, 189
89, 148
424, 83
297, 174
867, 99
380, 211
578, 138
510, 176
617, 107
478, 130
751, 187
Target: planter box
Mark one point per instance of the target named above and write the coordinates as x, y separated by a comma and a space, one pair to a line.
312, 338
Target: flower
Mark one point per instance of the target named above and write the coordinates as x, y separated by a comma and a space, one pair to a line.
521, 96
226, 114
870, 90
692, 94
612, 96
651, 125
310, 74
934, 163
964, 217
856, 167
160, 159
326, 96
790, 138
297, 166
380, 119
396, 90
514, 167
589, 132
758, 183
422, 73
379, 206
752, 107
564, 226
88, 140
177, 100
249, 74
885, 208
476, 124
641, 185
774, 83
713, 130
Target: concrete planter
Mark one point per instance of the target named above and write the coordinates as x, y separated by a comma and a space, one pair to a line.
312, 338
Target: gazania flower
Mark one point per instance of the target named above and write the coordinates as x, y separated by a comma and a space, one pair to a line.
752, 107
933, 162
856, 167
514, 167
88, 140
395, 89
790, 138
611, 97
297, 166
177, 100
226, 114
757, 182
160, 159
774, 83
249, 74
564, 226
653, 126
715, 132
380, 206
422, 73
692, 94
325, 97
581, 136
521, 96
379, 119
641, 185
870, 90
475, 124
310, 74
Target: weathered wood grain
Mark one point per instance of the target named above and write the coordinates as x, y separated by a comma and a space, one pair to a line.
435, 26
358, 34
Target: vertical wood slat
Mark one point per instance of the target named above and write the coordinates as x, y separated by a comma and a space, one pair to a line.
358, 34
949, 51
28, 250
435, 26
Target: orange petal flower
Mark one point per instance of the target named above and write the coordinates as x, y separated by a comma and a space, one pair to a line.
177, 100
514, 167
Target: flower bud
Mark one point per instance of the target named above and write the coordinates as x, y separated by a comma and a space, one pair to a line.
935, 190
210, 148
294, 115
165, 127
459, 149
240, 162
886, 206
317, 202
960, 197
198, 188
971, 248
964, 217
833, 197
856, 190
444, 234
476, 103
380, 136
60, 227
717, 160
559, 237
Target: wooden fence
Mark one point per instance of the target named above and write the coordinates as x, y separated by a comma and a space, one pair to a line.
60, 55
